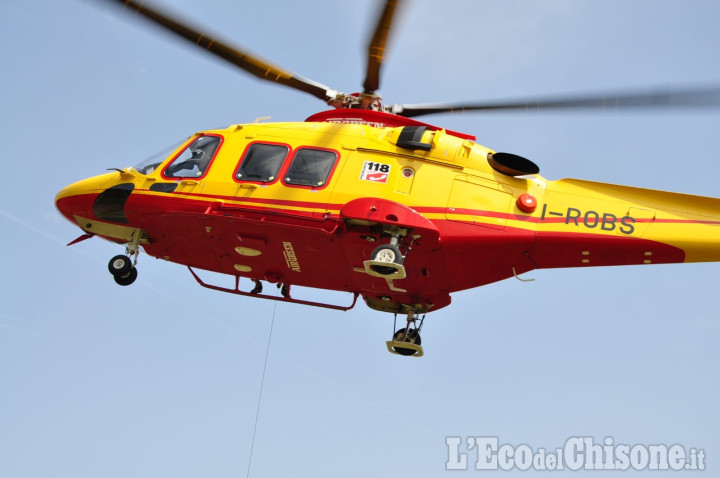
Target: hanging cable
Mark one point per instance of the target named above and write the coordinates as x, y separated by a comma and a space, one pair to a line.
262, 383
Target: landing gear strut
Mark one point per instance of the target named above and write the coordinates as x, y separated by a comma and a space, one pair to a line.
122, 267
406, 341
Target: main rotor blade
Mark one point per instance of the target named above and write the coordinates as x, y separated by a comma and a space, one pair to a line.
694, 97
376, 47
241, 58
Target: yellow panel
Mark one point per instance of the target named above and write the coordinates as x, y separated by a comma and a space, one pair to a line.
404, 181
480, 201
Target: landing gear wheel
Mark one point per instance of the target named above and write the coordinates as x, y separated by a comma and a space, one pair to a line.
126, 279
386, 253
407, 335
120, 265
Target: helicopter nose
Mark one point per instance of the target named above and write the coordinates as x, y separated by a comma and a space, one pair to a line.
77, 198
68, 201
64, 200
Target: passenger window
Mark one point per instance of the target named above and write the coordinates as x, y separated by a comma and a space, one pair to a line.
194, 160
310, 167
262, 162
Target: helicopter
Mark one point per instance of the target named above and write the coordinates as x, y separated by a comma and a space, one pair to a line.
365, 199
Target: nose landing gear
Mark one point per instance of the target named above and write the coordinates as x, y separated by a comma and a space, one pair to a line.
122, 267
126, 279
406, 341
122, 270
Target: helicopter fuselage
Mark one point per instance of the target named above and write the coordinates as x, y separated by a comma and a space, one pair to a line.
307, 204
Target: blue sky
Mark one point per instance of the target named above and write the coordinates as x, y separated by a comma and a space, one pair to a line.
162, 378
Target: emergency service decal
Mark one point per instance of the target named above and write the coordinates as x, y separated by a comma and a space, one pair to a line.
375, 172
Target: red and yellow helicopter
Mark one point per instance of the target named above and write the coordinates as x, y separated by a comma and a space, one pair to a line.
364, 199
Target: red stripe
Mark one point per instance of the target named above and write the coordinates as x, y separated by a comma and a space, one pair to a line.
277, 202
548, 220
429, 210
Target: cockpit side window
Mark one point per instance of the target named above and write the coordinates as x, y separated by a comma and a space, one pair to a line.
194, 160
310, 167
262, 162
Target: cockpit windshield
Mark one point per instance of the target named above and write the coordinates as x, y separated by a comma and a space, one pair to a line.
151, 164
190, 163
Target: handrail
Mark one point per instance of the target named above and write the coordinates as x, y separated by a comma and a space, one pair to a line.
237, 291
